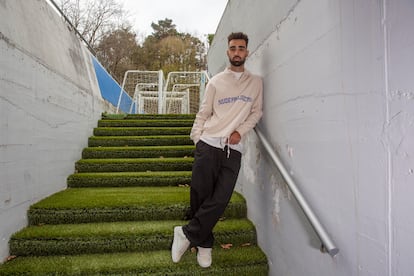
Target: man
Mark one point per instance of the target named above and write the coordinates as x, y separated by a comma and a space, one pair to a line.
232, 106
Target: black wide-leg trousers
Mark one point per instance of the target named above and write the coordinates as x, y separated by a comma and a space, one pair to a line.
213, 179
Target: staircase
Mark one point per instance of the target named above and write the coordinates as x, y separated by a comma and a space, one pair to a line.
129, 190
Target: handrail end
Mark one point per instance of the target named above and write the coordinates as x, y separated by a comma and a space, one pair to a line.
332, 251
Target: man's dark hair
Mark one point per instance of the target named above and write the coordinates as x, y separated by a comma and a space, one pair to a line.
238, 35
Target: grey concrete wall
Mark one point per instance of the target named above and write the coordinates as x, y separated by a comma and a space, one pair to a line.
49, 104
339, 110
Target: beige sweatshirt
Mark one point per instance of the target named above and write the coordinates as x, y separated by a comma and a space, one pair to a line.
228, 105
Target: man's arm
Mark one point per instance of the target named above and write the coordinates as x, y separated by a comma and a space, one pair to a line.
205, 112
255, 114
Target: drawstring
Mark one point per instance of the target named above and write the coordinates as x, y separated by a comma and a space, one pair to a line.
226, 144
228, 148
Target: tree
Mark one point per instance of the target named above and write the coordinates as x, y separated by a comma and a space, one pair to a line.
169, 50
103, 24
115, 51
163, 29
210, 38
94, 18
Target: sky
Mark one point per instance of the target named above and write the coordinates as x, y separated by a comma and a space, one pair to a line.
196, 17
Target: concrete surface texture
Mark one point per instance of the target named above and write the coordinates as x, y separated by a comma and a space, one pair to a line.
339, 110
49, 104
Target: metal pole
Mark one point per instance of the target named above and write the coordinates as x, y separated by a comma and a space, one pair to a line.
327, 243
120, 93
161, 106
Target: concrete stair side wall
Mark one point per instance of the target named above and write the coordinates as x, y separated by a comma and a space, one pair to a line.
49, 103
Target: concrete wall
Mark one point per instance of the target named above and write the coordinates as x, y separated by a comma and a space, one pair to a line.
339, 110
49, 104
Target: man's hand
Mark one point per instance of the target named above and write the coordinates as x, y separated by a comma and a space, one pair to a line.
234, 138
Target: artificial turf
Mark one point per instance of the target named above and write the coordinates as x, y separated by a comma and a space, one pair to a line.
107, 116
134, 164
147, 123
241, 260
138, 152
160, 140
81, 205
119, 220
140, 131
117, 237
128, 179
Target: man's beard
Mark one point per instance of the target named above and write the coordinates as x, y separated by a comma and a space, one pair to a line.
237, 63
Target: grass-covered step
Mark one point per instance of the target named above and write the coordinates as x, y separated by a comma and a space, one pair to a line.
74, 239
117, 216
140, 131
146, 123
241, 260
129, 179
83, 205
162, 140
148, 116
135, 164
138, 152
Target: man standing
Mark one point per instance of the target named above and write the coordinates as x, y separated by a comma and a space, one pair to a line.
232, 106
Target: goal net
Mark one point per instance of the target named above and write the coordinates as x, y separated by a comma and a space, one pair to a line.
181, 93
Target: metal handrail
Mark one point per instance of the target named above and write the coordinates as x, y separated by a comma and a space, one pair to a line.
327, 243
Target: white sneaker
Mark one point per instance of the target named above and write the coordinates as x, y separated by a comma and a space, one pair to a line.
180, 244
204, 256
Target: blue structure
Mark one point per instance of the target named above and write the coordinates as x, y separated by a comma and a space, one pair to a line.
110, 89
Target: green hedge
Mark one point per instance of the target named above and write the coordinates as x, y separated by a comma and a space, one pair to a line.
116, 237
77, 215
117, 197
129, 179
248, 260
39, 216
123, 228
140, 131
147, 116
81, 205
134, 164
138, 152
108, 141
146, 123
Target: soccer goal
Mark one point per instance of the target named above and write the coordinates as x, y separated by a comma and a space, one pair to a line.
181, 93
